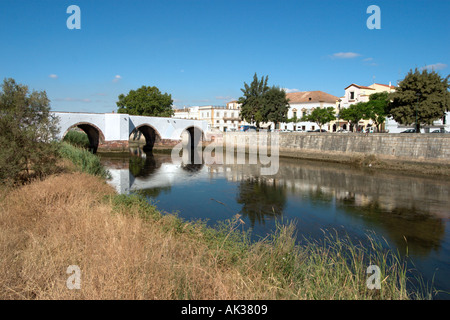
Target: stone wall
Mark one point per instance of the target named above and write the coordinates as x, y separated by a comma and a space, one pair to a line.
340, 146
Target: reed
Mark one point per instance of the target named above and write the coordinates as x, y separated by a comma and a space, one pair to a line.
84, 160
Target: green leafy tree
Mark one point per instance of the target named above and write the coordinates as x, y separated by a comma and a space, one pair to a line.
261, 103
354, 113
420, 98
377, 108
27, 130
252, 100
275, 106
146, 101
320, 116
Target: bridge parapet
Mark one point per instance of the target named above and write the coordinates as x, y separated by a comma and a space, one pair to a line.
111, 131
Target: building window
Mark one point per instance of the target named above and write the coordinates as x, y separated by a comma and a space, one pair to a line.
352, 95
295, 114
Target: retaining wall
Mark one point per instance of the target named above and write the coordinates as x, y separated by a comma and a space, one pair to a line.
337, 146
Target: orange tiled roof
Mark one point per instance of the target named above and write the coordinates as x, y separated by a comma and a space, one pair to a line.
310, 96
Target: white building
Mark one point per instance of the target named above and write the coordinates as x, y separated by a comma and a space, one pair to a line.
218, 117
303, 103
354, 94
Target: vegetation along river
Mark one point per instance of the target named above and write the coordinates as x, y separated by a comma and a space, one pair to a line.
410, 213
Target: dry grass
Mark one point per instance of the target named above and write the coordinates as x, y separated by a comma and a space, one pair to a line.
64, 220
126, 249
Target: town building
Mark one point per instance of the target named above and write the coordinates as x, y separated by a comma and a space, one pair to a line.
218, 117
354, 94
303, 103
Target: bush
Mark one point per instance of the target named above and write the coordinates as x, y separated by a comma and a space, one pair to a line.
27, 130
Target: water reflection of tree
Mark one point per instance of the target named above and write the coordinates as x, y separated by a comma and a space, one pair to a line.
423, 232
143, 166
155, 192
260, 199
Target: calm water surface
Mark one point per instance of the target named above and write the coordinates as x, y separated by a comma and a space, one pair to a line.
315, 195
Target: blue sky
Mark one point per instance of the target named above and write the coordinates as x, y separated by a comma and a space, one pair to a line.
201, 52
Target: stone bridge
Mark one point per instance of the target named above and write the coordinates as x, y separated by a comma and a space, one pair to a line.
112, 131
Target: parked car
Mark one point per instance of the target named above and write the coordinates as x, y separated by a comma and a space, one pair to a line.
342, 131
438, 131
320, 130
409, 131
247, 128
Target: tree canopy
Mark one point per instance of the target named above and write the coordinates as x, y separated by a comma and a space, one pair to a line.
420, 98
146, 101
26, 130
261, 103
377, 108
354, 113
320, 116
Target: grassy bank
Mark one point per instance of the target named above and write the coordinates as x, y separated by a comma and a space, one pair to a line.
84, 160
126, 249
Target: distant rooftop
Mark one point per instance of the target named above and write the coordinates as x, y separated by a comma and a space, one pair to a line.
311, 96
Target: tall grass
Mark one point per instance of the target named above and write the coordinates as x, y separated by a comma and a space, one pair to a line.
84, 160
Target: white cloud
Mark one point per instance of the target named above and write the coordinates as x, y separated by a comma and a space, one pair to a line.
368, 59
287, 90
345, 55
53, 76
435, 67
117, 78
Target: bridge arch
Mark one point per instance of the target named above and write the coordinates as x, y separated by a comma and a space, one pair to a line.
95, 135
151, 135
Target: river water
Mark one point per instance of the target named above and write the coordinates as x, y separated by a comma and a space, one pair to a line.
411, 212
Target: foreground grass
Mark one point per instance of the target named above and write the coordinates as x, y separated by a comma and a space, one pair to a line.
126, 249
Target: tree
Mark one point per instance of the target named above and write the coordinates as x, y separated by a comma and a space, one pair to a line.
376, 108
275, 105
420, 98
320, 116
146, 101
262, 103
253, 100
26, 132
354, 113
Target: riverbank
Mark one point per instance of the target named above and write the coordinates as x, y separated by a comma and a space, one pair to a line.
127, 249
